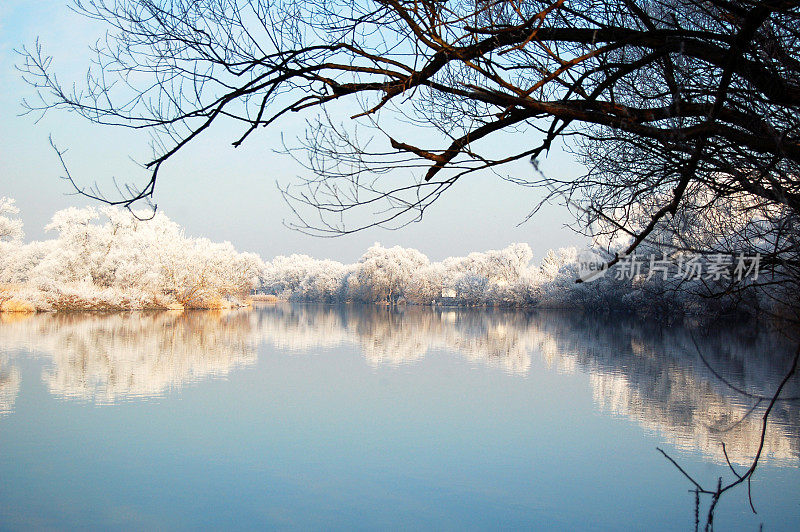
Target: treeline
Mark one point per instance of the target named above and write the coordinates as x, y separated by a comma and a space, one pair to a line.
718, 261
497, 278
109, 259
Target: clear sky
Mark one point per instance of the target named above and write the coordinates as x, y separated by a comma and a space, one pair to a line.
217, 191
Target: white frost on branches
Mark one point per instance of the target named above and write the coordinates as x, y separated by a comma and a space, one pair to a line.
109, 259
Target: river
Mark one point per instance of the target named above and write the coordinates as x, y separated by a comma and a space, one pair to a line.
362, 417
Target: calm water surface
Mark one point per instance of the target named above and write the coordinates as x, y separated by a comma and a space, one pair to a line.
362, 418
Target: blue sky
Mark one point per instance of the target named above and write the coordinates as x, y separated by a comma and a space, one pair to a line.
215, 190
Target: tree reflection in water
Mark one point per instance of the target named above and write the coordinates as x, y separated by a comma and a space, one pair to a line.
9, 387
108, 357
652, 374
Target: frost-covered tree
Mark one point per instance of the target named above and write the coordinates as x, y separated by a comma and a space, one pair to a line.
502, 267
426, 284
301, 277
556, 259
112, 259
325, 281
384, 273
471, 288
10, 228
11, 255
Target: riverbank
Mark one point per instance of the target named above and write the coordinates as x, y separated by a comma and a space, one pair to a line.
84, 297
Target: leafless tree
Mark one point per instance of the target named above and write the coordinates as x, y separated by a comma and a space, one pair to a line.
673, 105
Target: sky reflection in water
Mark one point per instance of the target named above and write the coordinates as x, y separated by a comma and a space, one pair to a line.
362, 417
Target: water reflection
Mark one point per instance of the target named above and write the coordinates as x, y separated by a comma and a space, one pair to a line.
9, 387
695, 389
385, 337
110, 357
